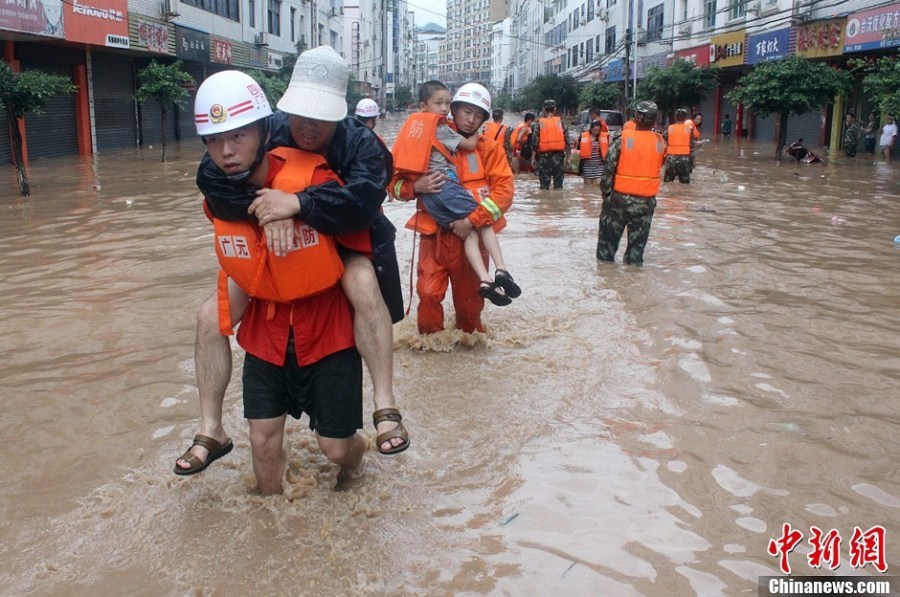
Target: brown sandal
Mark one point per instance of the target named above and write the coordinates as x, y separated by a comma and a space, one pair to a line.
390, 414
215, 451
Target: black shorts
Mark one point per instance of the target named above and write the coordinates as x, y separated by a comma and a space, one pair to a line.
328, 391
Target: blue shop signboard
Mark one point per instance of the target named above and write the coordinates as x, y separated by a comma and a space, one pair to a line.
191, 44
772, 45
615, 71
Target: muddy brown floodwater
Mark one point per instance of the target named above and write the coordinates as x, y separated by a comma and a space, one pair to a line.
618, 431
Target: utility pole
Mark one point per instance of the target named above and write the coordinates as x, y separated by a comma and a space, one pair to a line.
627, 63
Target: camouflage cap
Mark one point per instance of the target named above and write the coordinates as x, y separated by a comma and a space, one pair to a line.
645, 112
549, 104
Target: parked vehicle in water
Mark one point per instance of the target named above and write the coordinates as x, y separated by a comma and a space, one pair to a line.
581, 123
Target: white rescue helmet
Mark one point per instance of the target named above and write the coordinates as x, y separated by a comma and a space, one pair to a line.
367, 108
475, 94
228, 100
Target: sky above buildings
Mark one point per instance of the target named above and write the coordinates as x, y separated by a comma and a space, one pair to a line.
434, 11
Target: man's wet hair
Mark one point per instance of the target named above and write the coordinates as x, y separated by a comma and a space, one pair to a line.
497, 113
529, 116
429, 88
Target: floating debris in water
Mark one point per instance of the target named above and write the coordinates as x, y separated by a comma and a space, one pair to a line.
509, 519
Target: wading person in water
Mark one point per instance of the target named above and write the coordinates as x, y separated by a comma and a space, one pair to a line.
364, 165
297, 328
484, 172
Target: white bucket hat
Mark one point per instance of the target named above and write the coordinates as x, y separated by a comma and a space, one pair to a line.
318, 87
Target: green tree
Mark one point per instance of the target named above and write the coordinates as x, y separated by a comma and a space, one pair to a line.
561, 88
793, 85
273, 85
403, 97
605, 96
881, 81
165, 84
26, 93
681, 84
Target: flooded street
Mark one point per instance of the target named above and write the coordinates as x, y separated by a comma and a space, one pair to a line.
619, 431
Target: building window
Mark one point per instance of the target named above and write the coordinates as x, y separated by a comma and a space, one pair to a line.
293, 24
251, 12
610, 3
709, 13
655, 23
275, 17
736, 9
223, 8
610, 40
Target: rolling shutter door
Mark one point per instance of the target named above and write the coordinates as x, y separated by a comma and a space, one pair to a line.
5, 149
186, 125
52, 133
114, 113
808, 126
764, 128
151, 123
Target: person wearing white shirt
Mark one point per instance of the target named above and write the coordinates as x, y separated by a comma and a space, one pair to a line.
888, 136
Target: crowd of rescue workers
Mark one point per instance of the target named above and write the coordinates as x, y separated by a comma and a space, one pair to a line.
309, 273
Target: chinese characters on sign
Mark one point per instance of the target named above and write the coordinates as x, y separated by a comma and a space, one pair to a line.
727, 49
154, 36
191, 44
43, 17
222, 51
873, 29
772, 45
821, 39
864, 547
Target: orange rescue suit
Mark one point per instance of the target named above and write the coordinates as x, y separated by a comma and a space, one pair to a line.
641, 156
550, 135
587, 141
311, 266
442, 260
679, 139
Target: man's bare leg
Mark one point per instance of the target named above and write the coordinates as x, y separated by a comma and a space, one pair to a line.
266, 444
374, 334
347, 453
212, 364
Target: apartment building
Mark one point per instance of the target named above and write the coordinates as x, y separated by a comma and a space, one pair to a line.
467, 49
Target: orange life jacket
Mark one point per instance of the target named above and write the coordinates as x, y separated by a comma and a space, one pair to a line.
679, 139
473, 176
550, 134
311, 266
496, 131
413, 145
693, 126
641, 156
629, 125
516, 142
587, 141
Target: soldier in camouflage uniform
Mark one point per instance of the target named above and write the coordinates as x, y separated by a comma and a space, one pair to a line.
851, 136
631, 211
550, 165
681, 147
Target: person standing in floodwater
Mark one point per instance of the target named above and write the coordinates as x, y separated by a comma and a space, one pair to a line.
629, 186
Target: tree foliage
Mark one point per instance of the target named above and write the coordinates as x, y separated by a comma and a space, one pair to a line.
790, 86
27, 93
561, 88
793, 85
164, 83
403, 97
881, 81
605, 96
679, 85
273, 85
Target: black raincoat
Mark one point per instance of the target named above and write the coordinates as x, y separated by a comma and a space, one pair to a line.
363, 163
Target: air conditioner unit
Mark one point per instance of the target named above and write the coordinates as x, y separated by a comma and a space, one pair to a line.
603, 14
641, 37
799, 13
583, 21
685, 29
262, 38
170, 9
